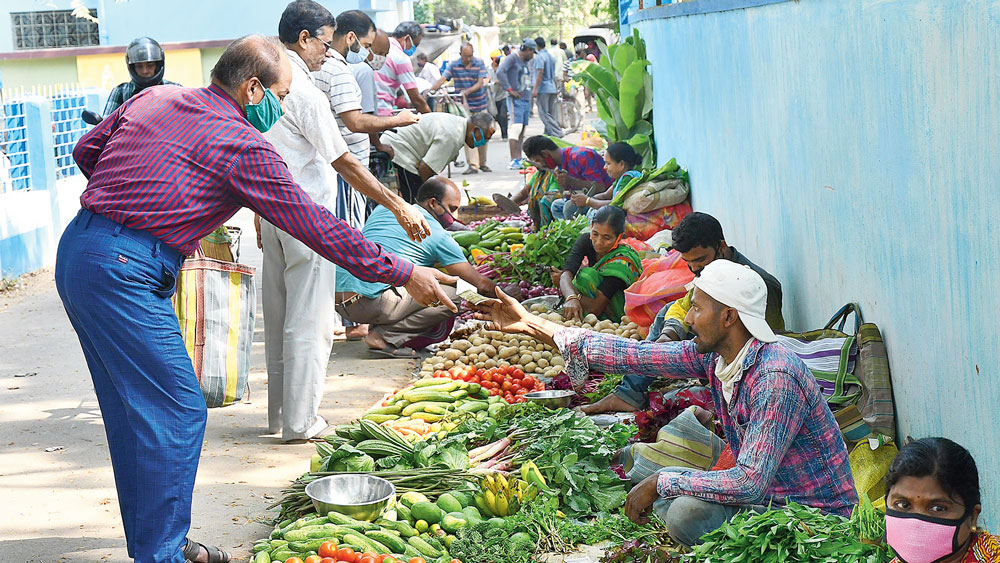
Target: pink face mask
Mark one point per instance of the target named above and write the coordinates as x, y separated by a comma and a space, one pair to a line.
917, 538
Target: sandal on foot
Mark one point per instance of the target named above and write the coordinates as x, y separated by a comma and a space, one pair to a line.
401, 353
192, 550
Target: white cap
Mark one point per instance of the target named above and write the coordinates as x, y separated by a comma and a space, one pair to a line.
738, 286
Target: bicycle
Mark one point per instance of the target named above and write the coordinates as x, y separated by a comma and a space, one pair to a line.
570, 111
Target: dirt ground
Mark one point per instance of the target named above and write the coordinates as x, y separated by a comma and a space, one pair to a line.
56, 482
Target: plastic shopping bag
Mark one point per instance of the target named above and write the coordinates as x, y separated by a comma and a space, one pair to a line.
663, 281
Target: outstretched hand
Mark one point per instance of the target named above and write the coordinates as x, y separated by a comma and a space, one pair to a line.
504, 314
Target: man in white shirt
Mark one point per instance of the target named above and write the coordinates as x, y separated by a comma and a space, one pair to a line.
352, 42
298, 284
364, 73
425, 149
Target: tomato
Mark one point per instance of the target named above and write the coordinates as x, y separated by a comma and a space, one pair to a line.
509, 398
293, 560
505, 385
523, 391
328, 549
312, 559
380, 558
520, 400
474, 379
417, 560
328, 560
455, 561
528, 381
515, 388
367, 559
346, 554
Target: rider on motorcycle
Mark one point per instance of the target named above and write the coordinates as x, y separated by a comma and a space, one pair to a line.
145, 61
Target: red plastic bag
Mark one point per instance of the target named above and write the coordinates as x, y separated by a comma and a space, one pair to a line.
662, 281
644, 225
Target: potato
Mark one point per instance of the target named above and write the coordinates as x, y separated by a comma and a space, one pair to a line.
483, 357
542, 363
495, 343
535, 356
462, 345
478, 341
448, 364
452, 354
475, 350
489, 350
525, 359
557, 361
507, 352
546, 354
590, 318
489, 364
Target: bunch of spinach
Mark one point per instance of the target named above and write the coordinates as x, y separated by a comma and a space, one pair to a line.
542, 251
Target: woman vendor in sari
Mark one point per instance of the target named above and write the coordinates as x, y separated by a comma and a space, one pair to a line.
599, 288
933, 504
620, 162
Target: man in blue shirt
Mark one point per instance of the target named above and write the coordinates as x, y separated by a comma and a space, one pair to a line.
397, 323
545, 92
515, 75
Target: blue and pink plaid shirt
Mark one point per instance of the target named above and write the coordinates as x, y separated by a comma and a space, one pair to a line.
585, 164
785, 439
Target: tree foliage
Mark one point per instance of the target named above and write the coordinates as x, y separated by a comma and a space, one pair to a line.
518, 19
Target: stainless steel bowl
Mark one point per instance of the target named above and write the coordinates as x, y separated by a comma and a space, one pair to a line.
553, 399
360, 496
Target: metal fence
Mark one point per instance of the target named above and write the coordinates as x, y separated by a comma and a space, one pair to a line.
67, 128
15, 167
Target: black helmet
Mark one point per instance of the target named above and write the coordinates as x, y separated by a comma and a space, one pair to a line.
145, 50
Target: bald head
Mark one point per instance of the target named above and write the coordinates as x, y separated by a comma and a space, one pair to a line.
380, 46
251, 64
439, 194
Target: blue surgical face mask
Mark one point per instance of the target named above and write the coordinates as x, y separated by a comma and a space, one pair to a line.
413, 48
478, 141
359, 56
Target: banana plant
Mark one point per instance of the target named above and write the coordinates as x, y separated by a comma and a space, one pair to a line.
623, 89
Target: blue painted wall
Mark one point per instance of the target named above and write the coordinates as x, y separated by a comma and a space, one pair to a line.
852, 149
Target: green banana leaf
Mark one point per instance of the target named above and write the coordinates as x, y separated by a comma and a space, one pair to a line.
604, 112
560, 142
632, 98
624, 56
620, 129
606, 59
638, 43
643, 144
601, 78
647, 106
641, 127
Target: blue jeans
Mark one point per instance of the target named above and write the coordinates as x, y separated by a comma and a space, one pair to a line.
565, 209
520, 109
116, 284
634, 389
688, 518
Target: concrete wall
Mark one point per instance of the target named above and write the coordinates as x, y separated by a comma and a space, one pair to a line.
851, 149
35, 72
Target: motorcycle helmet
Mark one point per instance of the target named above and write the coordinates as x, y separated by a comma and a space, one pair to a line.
145, 50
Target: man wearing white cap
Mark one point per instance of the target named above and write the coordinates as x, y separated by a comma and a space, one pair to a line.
781, 432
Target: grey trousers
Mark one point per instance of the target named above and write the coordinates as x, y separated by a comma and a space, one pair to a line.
547, 111
688, 518
298, 296
397, 318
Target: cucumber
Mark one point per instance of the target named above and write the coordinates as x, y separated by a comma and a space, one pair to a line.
380, 418
325, 531
346, 521
261, 546
393, 409
311, 545
303, 522
394, 543
430, 512
426, 549
275, 544
412, 552
402, 527
403, 513
366, 543
262, 557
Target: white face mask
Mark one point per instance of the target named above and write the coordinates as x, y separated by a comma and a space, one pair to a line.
359, 56
377, 62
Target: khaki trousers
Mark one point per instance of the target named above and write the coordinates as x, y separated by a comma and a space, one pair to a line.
397, 318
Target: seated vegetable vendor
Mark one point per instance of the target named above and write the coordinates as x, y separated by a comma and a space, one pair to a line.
699, 239
397, 323
781, 432
933, 505
577, 169
620, 162
599, 289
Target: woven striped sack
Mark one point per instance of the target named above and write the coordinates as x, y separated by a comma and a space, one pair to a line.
852, 370
216, 305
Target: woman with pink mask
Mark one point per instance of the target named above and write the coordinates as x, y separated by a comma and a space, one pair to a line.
933, 504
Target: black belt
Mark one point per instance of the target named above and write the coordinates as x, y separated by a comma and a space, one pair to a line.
350, 300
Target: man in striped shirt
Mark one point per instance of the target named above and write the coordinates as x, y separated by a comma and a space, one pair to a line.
469, 75
398, 70
164, 170
353, 40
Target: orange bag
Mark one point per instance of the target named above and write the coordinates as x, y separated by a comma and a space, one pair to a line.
662, 282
